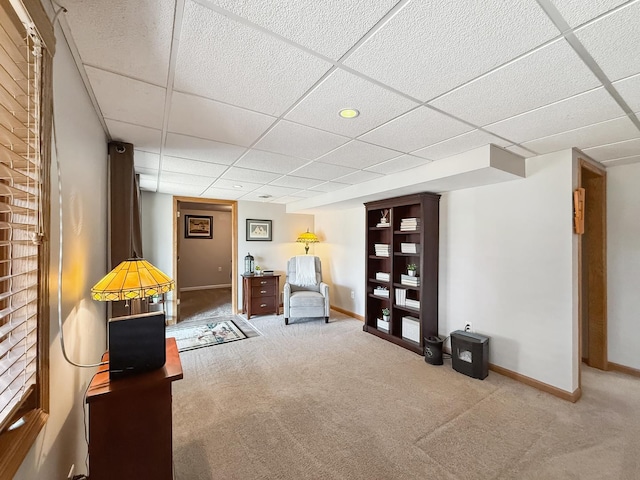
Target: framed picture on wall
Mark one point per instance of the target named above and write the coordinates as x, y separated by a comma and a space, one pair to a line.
198, 226
258, 230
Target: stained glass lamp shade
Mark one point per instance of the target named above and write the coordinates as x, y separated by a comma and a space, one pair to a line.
133, 278
307, 238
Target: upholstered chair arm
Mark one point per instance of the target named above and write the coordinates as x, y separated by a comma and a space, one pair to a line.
286, 295
324, 290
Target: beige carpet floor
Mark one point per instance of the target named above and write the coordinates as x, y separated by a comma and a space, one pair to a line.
197, 305
328, 401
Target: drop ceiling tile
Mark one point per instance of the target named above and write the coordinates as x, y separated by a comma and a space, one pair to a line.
323, 171
275, 191
222, 194
622, 161
270, 162
611, 131
296, 182
213, 120
478, 36
308, 193
146, 159
417, 129
329, 187
223, 59
171, 177
299, 141
192, 167
336, 26
186, 189
229, 184
200, 149
341, 90
142, 138
577, 12
546, 75
613, 42
398, 164
246, 174
132, 38
629, 89
127, 100
359, 177
614, 150
459, 144
358, 154
518, 150
575, 112
287, 199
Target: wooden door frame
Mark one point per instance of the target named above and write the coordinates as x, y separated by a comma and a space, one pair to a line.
597, 355
234, 246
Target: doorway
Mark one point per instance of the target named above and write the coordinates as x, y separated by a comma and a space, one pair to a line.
592, 250
207, 208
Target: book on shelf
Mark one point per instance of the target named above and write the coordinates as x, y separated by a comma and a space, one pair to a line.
401, 296
381, 292
383, 224
409, 247
409, 280
409, 224
382, 249
383, 276
412, 303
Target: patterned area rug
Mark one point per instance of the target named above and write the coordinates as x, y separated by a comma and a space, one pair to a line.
206, 334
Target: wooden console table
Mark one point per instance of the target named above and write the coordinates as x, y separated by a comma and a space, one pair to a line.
260, 294
130, 431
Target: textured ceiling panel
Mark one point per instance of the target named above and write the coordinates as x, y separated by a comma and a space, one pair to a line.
579, 111
323, 171
248, 175
613, 42
192, 167
299, 141
276, 191
143, 138
614, 150
189, 190
448, 43
459, 144
121, 98
577, 12
286, 199
341, 90
131, 38
199, 180
547, 75
235, 185
222, 194
415, 130
357, 154
225, 60
398, 164
296, 182
308, 193
330, 187
215, 121
201, 149
146, 160
336, 25
610, 131
270, 162
359, 177
518, 150
629, 89
622, 161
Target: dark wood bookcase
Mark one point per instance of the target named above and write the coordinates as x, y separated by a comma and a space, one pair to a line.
424, 207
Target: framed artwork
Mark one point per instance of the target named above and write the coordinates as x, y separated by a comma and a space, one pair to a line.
198, 226
258, 230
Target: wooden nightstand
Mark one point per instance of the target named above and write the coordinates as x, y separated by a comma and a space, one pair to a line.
260, 294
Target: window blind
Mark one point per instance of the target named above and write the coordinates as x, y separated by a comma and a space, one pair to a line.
20, 211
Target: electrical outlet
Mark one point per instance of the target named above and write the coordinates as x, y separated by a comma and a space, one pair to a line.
353, 294
71, 471
468, 327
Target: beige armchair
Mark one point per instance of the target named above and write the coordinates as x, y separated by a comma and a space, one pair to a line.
305, 300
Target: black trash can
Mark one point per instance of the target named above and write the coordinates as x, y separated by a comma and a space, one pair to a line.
433, 350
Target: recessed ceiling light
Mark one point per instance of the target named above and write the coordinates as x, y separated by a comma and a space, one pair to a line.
264, 196
349, 113
237, 186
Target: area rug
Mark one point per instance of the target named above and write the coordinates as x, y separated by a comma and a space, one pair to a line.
189, 337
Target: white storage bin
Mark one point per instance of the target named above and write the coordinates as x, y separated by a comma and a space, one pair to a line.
411, 329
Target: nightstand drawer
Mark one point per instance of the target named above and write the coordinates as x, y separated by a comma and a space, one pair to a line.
263, 281
263, 305
263, 291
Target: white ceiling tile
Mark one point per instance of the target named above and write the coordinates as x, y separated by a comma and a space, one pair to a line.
622, 161
275, 191
398, 164
336, 25
132, 38
200, 149
478, 36
518, 150
584, 109
358, 154
459, 144
287, 199
341, 90
213, 120
222, 59
127, 100
309, 193
186, 189
613, 151
329, 187
547, 75
613, 42
296, 182
323, 171
629, 89
142, 138
228, 184
577, 12
299, 141
192, 167
199, 180
611, 131
144, 159
258, 197
246, 174
359, 177
416, 129
222, 194
270, 162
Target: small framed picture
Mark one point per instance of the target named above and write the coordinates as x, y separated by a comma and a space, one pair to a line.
258, 230
198, 226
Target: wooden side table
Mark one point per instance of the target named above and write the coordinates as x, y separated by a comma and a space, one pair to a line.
260, 294
130, 429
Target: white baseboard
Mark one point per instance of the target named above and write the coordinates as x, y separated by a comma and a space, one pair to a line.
205, 287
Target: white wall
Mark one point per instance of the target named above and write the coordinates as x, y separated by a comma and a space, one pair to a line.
81, 145
342, 251
205, 262
506, 265
623, 264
